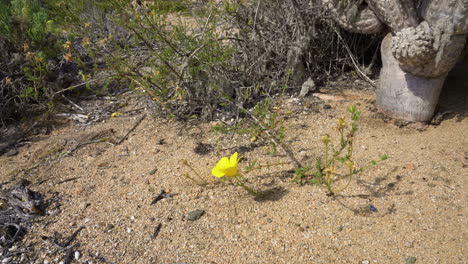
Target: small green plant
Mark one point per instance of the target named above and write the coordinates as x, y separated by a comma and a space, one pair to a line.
337, 162
199, 179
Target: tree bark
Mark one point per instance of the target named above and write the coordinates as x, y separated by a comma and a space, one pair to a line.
403, 95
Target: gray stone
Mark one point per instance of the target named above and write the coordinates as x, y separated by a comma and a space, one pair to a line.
12, 152
307, 87
410, 260
84, 205
195, 215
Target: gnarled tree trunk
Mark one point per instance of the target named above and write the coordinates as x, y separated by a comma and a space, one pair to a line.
402, 94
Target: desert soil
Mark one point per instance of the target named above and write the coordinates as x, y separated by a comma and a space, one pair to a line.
419, 193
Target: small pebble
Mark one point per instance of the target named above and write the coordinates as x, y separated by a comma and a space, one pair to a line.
13, 248
12, 152
269, 220
409, 244
6, 260
365, 262
46, 262
410, 260
77, 255
372, 208
109, 227
83, 205
129, 230
195, 215
87, 220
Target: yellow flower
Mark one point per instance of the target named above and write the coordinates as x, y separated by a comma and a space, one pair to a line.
30, 55
86, 41
38, 59
341, 124
68, 57
87, 25
151, 13
325, 139
226, 167
67, 45
103, 41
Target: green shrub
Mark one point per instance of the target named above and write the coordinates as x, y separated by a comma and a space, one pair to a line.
31, 39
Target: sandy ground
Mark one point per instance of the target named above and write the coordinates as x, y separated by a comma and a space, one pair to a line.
420, 192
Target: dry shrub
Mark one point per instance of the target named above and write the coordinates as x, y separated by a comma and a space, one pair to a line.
284, 42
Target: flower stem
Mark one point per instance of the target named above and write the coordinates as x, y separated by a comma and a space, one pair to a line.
248, 189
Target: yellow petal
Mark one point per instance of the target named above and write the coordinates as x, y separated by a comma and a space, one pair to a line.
231, 172
217, 172
233, 160
223, 163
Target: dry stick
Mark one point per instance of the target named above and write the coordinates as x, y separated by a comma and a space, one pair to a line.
67, 180
288, 152
133, 128
351, 56
371, 64
79, 85
72, 237
256, 12
72, 103
206, 24
66, 153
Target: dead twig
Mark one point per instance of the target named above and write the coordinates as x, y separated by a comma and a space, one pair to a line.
79, 85
68, 256
67, 180
161, 196
66, 153
71, 238
72, 103
157, 229
133, 128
